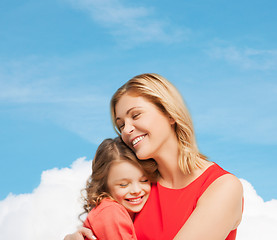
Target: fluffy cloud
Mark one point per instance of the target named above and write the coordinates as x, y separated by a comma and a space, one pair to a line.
51, 210
259, 218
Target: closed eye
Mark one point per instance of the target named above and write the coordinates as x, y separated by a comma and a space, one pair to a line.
123, 184
121, 126
144, 181
136, 115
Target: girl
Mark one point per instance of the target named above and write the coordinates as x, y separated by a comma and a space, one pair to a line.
193, 198
117, 189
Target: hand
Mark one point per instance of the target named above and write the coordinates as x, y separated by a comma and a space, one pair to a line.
80, 234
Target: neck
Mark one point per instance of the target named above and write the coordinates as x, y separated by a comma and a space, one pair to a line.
171, 176
170, 173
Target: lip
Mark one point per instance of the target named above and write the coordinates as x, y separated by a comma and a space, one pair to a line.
135, 201
140, 136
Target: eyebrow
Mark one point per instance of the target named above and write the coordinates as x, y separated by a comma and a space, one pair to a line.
121, 180
128, 179
129, 110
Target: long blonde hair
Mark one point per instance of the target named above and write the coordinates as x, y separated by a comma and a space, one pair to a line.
167, 98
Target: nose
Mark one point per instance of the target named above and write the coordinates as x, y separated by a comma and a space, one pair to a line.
128, 128
135, 189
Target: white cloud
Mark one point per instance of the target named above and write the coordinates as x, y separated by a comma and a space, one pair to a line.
130, 24
246, 58
259, 217
51, 210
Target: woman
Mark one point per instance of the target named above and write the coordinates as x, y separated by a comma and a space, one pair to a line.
193, 198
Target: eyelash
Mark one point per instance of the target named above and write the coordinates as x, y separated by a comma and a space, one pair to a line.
123, 185
133, 116
144, 181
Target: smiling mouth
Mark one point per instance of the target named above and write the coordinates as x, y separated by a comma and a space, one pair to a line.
138, 139
135, 200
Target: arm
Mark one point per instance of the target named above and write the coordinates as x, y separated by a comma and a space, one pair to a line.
218, 211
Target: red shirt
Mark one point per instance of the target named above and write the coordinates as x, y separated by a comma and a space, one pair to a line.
110, 220
167, 210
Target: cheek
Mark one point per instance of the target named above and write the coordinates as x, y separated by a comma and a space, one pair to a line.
119, 194
147, 188
124, 138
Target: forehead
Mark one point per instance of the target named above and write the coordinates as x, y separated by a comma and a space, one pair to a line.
124, 169
127, 102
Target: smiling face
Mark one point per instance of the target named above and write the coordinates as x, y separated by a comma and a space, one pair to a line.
165, 100
128, 185
143, 127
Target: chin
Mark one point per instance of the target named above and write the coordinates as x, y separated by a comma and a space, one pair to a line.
142, 156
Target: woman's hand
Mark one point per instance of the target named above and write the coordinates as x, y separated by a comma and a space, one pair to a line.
81, 234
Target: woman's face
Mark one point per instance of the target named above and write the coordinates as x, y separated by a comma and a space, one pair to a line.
144, 128
128, 186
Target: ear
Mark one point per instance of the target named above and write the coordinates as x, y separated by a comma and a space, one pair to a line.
171, 120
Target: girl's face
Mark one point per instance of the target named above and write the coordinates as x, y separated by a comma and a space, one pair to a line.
128, 186
144, 128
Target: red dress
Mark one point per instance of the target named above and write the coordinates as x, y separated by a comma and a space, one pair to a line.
167, 210
110, 220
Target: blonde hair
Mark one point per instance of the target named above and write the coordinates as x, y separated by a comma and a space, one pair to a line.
109, 152
167, 98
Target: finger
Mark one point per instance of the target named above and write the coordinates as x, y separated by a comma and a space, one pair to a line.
74, 236
67, 237
86, 232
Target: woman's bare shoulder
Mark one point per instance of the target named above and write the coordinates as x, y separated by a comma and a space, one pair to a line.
221, 205
227, 184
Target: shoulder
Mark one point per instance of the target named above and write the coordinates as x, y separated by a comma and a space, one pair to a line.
221, 204
220, 178
227, 184
108, 203
106, 209
110, 212
224, 188
226, 194
110, 220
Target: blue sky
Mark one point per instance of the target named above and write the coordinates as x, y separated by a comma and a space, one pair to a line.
61, 61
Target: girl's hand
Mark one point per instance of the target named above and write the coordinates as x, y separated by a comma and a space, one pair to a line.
81, 234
